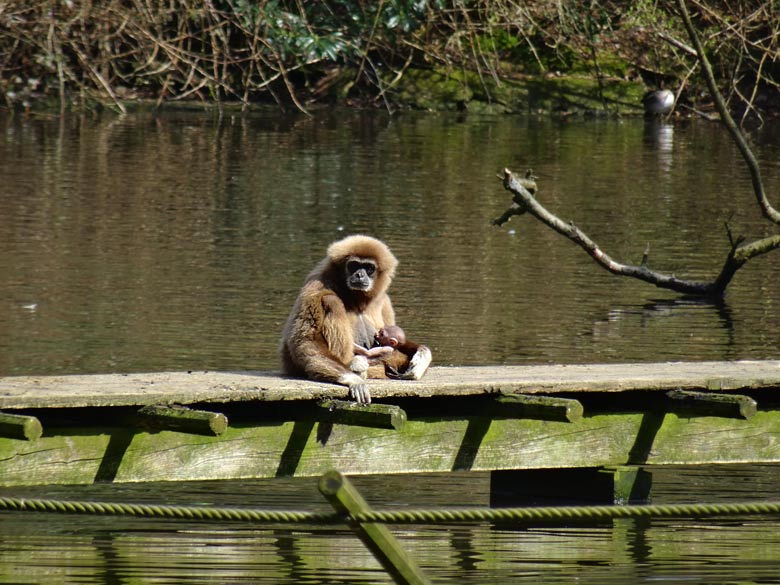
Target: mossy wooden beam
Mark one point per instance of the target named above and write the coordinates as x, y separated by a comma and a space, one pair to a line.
246, 450
17, 426
379, 416
535, 406
182, 419
343, 496
711, 404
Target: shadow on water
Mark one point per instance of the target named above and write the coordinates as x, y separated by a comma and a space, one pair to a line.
675, 308
678, 321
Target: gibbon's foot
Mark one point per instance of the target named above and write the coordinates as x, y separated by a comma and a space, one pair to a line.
358, 389
419, 364
359, 393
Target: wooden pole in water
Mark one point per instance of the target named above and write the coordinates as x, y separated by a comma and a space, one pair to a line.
343, 496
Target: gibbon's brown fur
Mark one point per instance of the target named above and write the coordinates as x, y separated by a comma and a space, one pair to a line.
328, 317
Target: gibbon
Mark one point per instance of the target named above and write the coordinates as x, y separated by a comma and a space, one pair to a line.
344, 302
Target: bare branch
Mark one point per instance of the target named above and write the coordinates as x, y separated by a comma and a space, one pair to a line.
677, 43
524, 201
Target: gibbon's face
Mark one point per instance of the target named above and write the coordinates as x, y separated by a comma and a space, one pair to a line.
361, 273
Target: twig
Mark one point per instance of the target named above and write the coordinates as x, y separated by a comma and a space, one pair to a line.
370, 41
755, 91
100, 79
677, 43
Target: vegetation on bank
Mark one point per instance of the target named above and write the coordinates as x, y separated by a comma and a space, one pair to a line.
499, 55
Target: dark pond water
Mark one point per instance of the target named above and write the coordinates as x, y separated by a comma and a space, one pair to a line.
178, 241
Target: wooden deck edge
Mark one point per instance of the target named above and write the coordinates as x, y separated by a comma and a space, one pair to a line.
141, 389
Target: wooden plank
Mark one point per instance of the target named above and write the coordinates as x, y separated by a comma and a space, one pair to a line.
380, 416
306, 448
17, 426
711, 404
534, 406
190, 387
182, 419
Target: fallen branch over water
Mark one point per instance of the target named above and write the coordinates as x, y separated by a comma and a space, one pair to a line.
523, 190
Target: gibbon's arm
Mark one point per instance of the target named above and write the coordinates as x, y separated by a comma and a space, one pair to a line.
374, 352
336, 330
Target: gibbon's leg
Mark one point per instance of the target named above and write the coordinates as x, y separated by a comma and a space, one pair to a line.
419, 364
336, 329
319, 366
377, 372
318, 343
410, 363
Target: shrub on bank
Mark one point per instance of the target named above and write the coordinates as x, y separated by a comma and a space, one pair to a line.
391, 54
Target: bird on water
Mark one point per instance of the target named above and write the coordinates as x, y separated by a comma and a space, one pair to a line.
658, 102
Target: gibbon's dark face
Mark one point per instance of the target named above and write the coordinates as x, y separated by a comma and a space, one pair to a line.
361, 273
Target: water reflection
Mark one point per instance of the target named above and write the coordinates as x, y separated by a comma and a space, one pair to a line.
659, 135
658, 318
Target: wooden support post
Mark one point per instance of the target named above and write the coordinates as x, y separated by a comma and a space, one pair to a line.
183, 420
17, 426
711, 404
630, 484
536, 407
343, 496
381, 416
569, 487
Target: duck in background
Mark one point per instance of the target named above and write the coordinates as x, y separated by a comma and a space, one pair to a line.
658, 102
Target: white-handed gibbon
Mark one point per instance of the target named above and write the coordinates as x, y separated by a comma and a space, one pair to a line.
344, 302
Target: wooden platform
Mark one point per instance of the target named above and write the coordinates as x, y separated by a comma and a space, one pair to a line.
454, 419
220, 387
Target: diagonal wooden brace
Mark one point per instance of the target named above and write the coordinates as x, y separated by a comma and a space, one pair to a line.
343, 496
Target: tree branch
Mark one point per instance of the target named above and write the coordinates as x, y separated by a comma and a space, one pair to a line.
755, 174
525, 202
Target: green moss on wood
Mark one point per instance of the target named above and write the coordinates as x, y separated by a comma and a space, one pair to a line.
305, 448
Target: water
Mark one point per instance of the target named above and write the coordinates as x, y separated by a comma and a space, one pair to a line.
39, 548
178, 241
